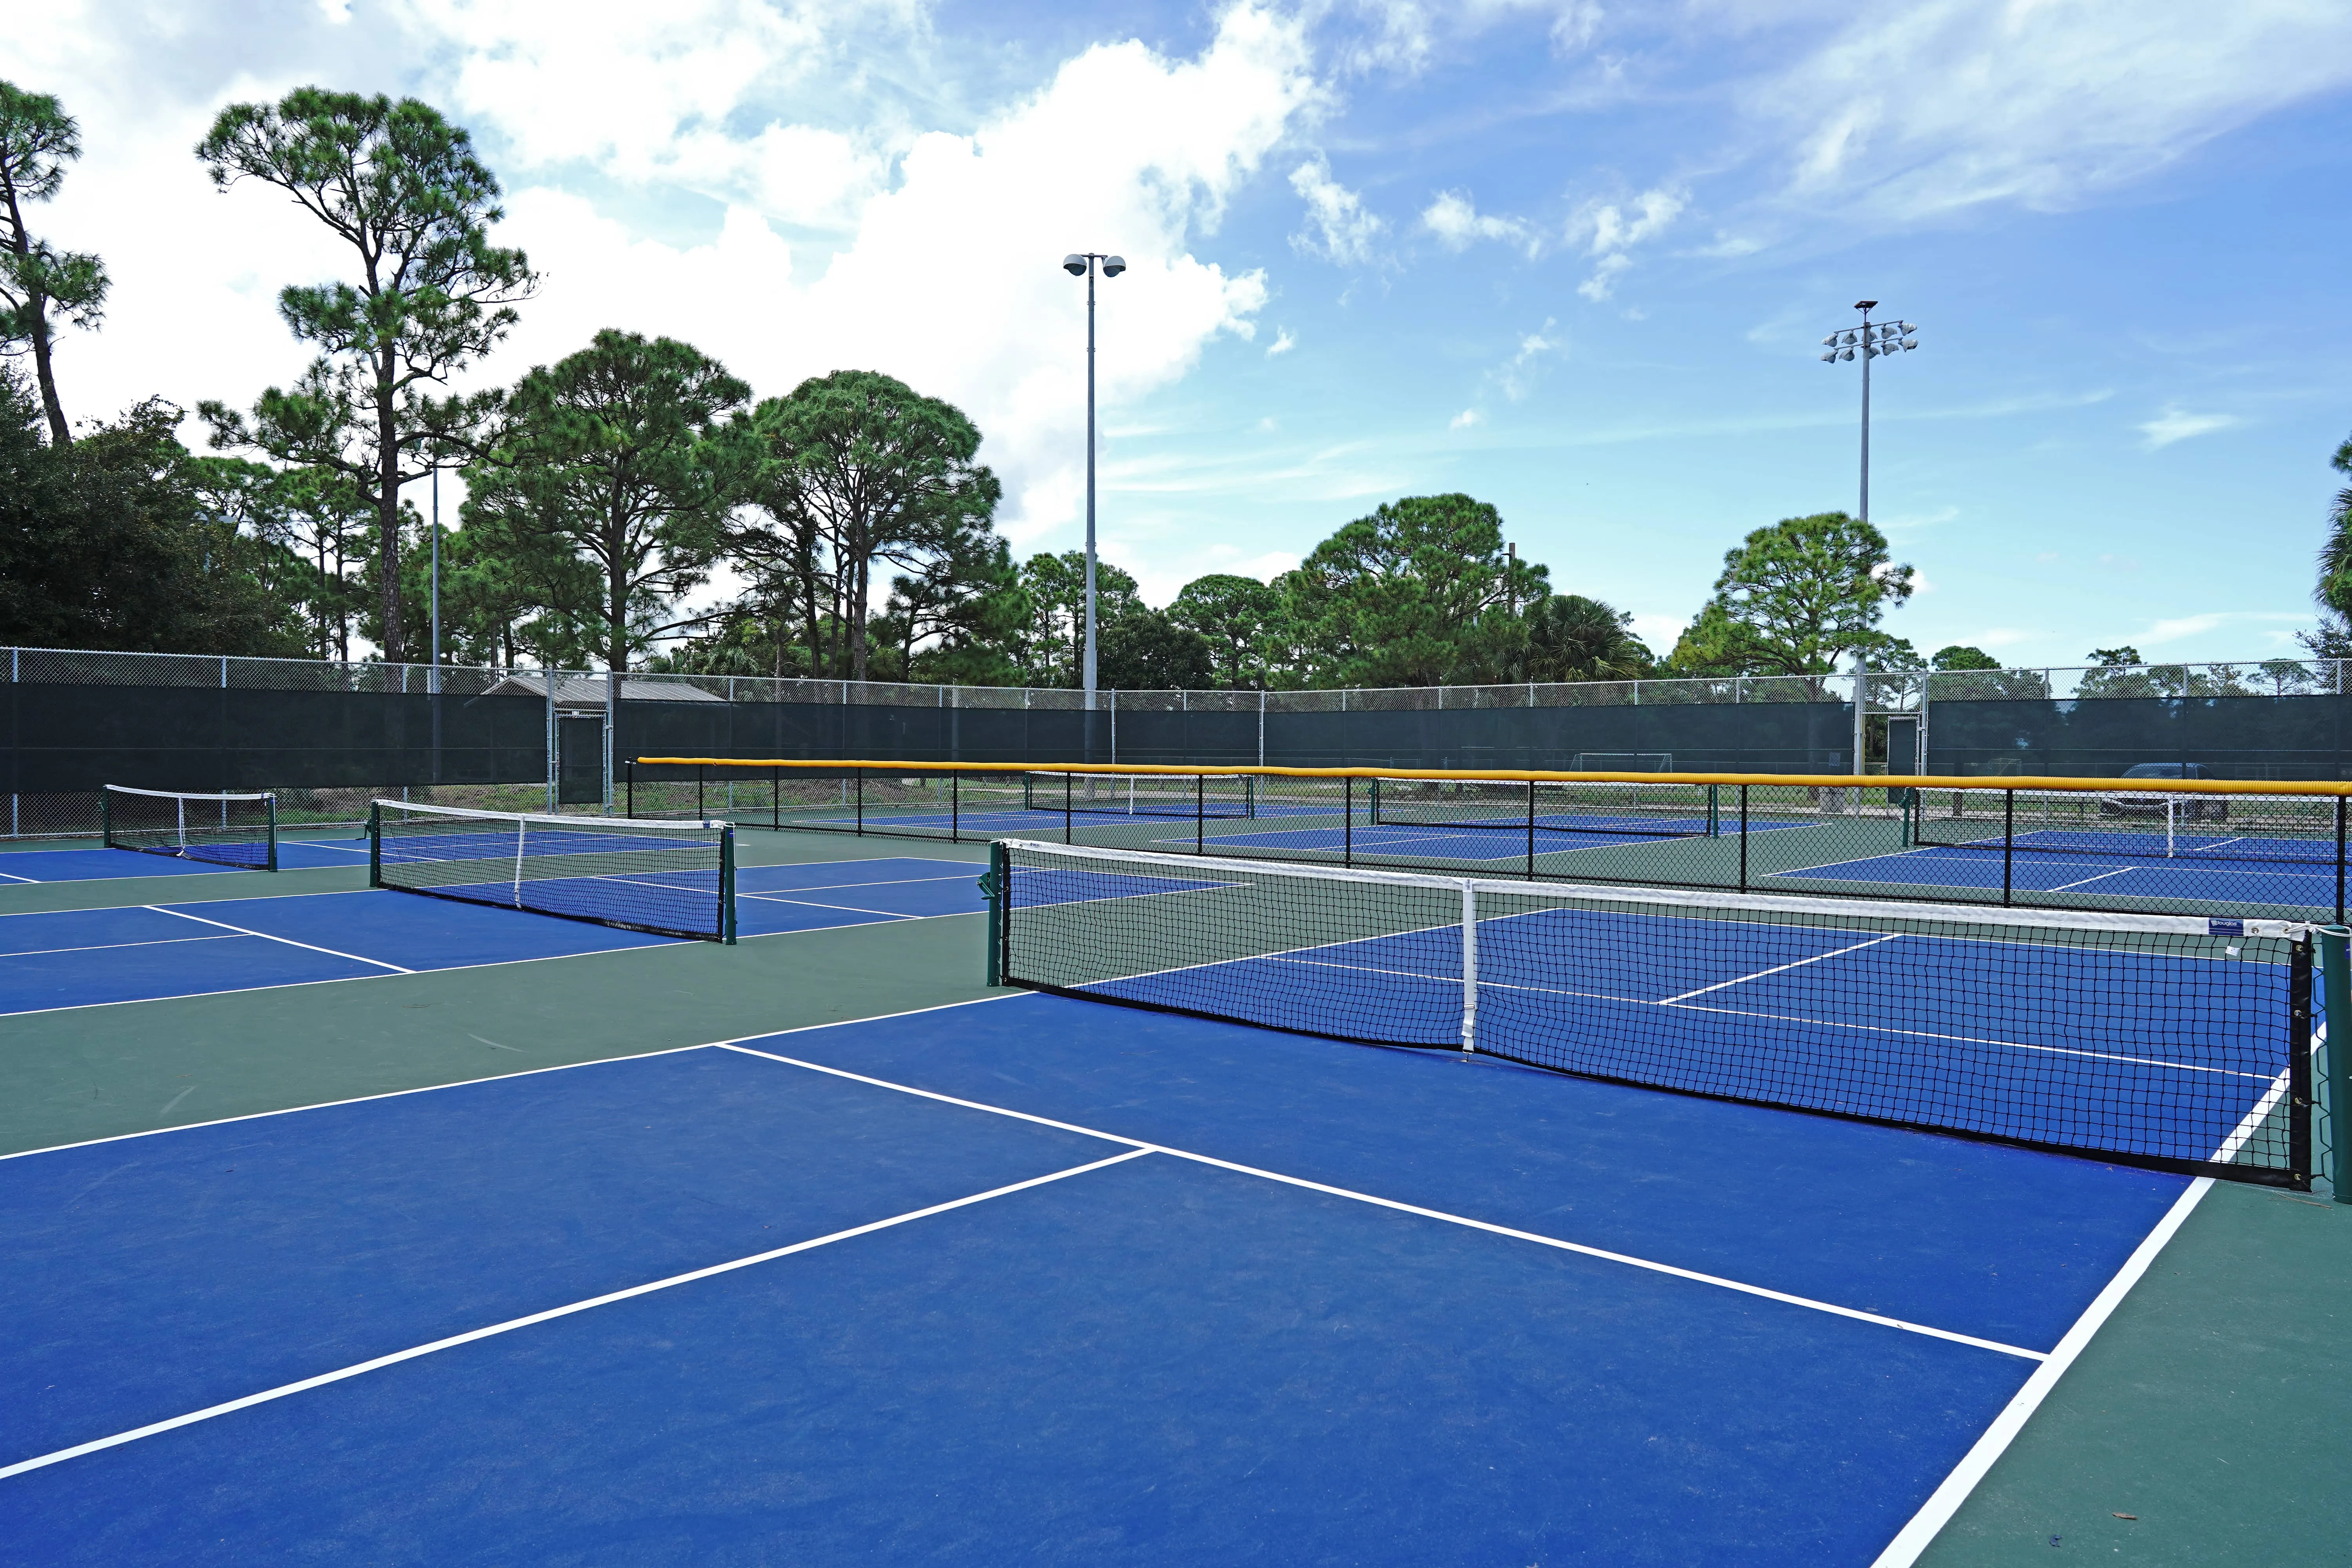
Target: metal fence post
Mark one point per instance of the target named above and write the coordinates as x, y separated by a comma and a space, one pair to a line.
2008, 845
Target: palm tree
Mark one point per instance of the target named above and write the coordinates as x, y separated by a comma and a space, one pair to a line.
1571, 637
2333, 589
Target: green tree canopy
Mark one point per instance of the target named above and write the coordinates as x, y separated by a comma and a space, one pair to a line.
1957, 656
1056, 586
126, 540
610, 456
1416, 593
850, 470
1571, 637
1236, 615
40, 285
2333, 589
402, 187
1146, 650
1794, 598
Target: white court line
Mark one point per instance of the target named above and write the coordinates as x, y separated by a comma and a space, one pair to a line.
2119, 872
503, 1077
111, 946
666, 946
1145, 1146
248, 931
471, 1335
741, 892
1779, 968
844, 908
30, 881
1945, 1501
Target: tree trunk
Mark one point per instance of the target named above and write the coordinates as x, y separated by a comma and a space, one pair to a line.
59, 434
387, 507
857, 624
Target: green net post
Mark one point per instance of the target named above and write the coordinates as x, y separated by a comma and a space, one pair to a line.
375, 845
2335, 1066
993, 886
1715, 811
726, 883
270, 803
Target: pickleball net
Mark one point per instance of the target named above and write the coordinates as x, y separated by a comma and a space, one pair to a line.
674, 878
1660, 809
2306, 830
238, 830
2173, 1042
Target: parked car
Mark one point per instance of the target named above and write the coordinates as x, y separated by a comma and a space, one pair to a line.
2190, 808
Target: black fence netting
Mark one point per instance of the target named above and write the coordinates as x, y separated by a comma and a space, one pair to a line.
63, 738
2281, 737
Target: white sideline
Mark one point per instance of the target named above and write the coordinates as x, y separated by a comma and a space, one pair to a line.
1946, 1500
469, 1336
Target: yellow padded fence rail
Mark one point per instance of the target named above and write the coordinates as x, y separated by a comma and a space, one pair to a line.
1979, 783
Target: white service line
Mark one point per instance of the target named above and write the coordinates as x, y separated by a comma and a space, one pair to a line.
1632, 1262
247, 931
1946, 1500
2119, 872
1779, 968
844, 908
413, 1352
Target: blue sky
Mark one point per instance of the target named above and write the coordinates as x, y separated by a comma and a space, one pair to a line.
1573, 258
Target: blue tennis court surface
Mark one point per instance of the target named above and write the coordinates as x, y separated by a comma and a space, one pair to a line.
1044, 1282
100, 865
2272, 882
77, 958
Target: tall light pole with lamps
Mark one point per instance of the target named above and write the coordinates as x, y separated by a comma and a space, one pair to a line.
1872, 339
1081, 264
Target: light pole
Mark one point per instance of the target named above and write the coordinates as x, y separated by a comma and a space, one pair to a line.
1081, 264
1872, 339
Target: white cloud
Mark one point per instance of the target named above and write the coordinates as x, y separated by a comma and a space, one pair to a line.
1518, 374
1404, 35
2176, 424
1929, 107
1283, 342
1458, 224
1659, 633
1464, 420
2179, 626
1608, 232
1341, 230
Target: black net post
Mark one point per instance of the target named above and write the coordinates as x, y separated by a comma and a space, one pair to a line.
1531, 830
1743, 838
2339, 859
1200, 810
775, 798
1067, 835
629, 788
375, 845
105, 820
727, 884
2008, 845
955, 808
2298, 1059
861, 801
1348, 818
269, 803
701, 810
2334, 957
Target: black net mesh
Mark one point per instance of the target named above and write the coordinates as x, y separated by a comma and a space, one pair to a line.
218, 830
2173, 1042
675, 878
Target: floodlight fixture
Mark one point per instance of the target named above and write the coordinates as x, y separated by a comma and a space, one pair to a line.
1875, 339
